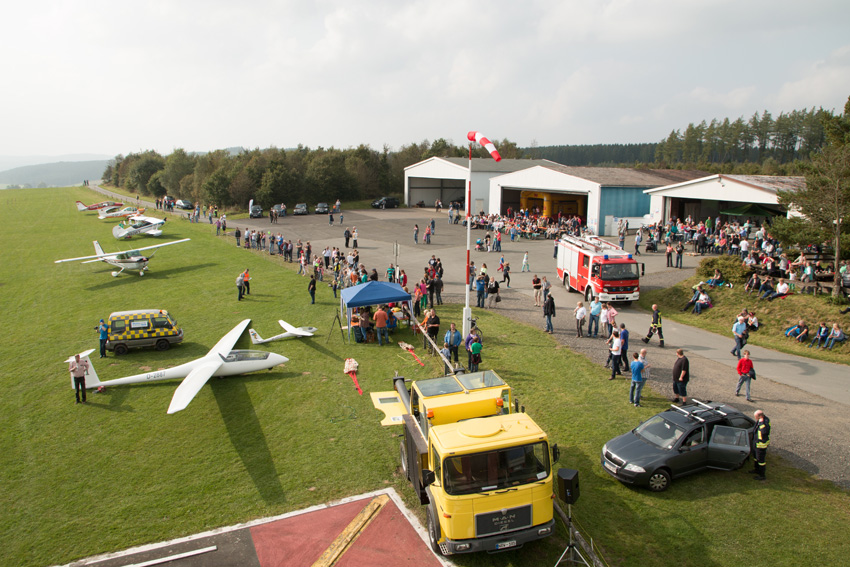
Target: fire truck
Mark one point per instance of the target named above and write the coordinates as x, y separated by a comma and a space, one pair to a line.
596, 267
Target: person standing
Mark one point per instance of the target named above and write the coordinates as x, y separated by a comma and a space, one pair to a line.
580, 313
453, 338
525, 267
103, 330
738, 330
546, 286
638, 380
616, 350
311, 287
432, 325
481, 288
593, 324
78, 369
537, 287
762, 442
669, 253
681, 376
331, 218
246, 281
746, 372
416, 234
506, 274
624, 340
354, 237
638, 240
238, 235
680, 250
475, 354
346, 235
492, 291
655, 327
380, 318
240, 285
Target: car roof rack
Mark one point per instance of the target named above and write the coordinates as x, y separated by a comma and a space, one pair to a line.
701, 408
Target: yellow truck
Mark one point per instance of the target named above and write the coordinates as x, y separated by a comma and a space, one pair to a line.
480, 465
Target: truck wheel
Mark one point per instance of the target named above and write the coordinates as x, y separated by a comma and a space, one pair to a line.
163, 344
434, 532
588, 294
120, 349
402, 453
567, 282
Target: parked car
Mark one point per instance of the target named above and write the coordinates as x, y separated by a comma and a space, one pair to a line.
322, 209
678, 442
301, 209
256, 212
183, 204
385, 203
278, 209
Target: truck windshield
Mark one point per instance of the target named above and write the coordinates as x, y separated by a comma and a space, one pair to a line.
612, 272
496, 470
659, 432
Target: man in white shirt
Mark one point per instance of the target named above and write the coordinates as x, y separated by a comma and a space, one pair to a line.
616, 351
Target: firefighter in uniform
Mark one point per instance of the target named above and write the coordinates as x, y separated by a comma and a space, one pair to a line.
762, 441
655, 327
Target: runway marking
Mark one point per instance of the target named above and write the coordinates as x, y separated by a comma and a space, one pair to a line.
174, 557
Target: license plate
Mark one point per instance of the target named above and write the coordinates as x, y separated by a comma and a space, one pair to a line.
506, 544
610, 467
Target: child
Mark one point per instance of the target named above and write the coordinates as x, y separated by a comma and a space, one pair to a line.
820, 336
525, 267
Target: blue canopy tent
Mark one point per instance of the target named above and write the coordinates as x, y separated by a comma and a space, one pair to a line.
371, 293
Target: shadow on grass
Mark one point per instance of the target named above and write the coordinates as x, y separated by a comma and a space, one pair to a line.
246, 434
111, 399
323, 350
129, 276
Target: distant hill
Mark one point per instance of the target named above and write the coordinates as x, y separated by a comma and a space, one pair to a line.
59, 174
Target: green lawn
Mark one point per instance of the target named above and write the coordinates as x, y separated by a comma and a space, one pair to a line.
81, 480
774, 316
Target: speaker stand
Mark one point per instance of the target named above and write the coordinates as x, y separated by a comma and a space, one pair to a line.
572, 549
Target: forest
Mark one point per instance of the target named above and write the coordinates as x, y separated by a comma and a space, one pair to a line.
230, 178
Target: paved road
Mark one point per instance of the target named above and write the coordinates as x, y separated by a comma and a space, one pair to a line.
806, 399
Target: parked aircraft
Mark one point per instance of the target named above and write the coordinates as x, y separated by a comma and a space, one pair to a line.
83, 207
130, 260
139, 225
115, 212
221, 360
290, 332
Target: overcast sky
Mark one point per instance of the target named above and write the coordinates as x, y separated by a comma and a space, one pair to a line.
116, 77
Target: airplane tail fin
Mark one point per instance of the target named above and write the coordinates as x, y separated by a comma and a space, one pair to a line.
92, 380
97, 249
255, 337
81, 206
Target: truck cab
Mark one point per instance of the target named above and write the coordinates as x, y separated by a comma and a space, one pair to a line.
480, 465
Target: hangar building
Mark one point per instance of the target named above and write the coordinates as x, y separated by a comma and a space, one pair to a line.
714, 194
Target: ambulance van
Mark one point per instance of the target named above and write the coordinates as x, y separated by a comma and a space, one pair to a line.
142, 328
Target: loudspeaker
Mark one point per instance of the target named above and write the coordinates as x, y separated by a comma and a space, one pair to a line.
568, 487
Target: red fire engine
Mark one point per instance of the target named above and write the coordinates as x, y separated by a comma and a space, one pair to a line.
595, 267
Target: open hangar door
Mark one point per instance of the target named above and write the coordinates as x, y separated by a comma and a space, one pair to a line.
550, 203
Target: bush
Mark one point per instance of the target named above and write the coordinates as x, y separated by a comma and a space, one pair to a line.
732, 267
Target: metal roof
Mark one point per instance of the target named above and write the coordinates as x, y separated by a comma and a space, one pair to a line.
504, 166
771, 182
628, 176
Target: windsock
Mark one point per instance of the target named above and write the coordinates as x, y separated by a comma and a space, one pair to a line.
479, 138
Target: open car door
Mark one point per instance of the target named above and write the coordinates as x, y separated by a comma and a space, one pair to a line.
390, 403
728, 447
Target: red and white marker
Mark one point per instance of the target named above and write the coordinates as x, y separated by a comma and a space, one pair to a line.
479, 138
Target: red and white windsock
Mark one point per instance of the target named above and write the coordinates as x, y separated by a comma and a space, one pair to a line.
479, 138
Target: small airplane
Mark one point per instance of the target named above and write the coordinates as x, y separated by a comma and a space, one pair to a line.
83, 207
132, 259
140, 225
290, 332
221, 360
115, 212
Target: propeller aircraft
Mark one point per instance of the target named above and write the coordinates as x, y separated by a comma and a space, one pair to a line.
130, 260
140, 225
290, 332
102, 205
115, 212
221, 360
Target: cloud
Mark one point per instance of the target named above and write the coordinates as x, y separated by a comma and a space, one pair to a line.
824, 83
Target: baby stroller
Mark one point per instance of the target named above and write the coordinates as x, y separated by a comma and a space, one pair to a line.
479, 245
651, 245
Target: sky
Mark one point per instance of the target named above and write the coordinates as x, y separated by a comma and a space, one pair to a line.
107, 77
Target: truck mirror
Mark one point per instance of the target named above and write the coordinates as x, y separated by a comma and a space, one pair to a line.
428, 477
516, 405
522, 409
556, 453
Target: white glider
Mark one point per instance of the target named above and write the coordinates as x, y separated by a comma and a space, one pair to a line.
221, 360
131, 260
290, 332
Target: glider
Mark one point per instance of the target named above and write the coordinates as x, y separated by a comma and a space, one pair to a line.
115, 212
132, 259
102, 205
138, 224
290, 332
221, 360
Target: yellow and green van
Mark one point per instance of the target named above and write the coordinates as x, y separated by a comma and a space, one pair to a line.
142, 328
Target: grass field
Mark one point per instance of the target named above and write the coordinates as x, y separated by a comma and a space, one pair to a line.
118, 472
774, 316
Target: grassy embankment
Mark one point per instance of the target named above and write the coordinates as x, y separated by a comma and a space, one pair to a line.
118, 472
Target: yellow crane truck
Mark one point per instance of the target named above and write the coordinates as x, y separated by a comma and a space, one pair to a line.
478, 463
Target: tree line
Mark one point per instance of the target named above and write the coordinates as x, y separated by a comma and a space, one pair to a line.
761, 145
